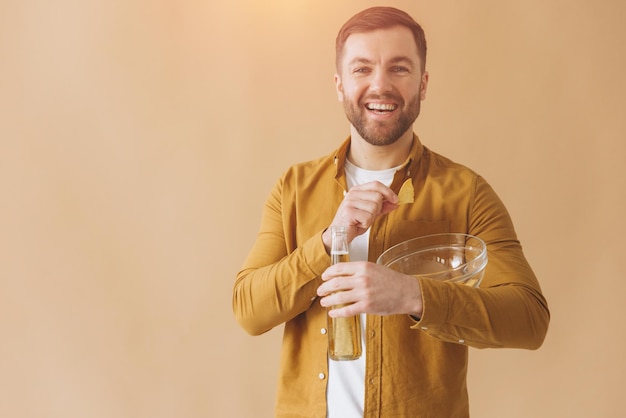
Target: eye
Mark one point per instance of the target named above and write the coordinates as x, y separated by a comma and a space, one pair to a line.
361, 70
399, 69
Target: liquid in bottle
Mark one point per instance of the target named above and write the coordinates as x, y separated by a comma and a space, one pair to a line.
344, 334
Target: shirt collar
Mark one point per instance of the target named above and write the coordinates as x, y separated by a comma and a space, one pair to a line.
409, 165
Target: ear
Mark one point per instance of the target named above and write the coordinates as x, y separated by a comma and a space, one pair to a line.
423, 85
339, 87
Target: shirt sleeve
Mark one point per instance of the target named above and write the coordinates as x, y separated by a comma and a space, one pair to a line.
278, 280
509, 309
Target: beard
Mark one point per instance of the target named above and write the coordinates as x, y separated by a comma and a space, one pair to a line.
382, 132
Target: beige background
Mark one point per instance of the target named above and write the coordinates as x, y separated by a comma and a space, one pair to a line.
139, 140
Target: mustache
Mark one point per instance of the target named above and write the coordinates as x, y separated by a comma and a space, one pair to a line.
382, 97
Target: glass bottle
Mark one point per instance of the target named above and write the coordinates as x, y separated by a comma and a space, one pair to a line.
344, 334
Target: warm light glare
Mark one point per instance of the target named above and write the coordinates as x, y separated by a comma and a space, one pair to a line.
139, 141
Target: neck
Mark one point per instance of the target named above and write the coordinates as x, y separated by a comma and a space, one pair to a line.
379, 157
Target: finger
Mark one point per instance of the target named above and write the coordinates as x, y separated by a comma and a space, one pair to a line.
364, 199
338, 300
360, 212
389, 207
371, 203
332, 284
340, 270
344, 311
386, 193
336, 280
360, 219
389, 195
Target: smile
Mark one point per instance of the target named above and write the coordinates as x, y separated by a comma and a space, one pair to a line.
381, 107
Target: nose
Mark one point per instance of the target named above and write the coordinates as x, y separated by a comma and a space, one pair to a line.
380, 82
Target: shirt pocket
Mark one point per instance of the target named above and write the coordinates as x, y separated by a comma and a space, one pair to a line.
401, 230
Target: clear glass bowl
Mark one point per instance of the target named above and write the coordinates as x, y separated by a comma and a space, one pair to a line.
458, 258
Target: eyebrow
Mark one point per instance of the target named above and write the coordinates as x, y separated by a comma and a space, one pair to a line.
394, 60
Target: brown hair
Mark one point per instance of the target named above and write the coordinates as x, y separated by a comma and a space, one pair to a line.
380, 18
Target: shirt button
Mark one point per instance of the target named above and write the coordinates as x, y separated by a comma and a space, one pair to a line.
461, 341
323, 331
321, 376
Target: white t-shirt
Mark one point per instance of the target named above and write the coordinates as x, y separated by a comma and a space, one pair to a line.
345, 395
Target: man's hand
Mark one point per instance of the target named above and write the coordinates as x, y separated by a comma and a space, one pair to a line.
360, 207
369, 288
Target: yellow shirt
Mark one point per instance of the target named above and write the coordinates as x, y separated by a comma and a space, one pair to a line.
413, 368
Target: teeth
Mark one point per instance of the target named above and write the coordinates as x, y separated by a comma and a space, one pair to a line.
380, 106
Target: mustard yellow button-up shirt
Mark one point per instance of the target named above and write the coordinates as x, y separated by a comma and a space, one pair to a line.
413, 368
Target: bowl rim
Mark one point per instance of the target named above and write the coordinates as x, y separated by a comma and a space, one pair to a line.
481, 245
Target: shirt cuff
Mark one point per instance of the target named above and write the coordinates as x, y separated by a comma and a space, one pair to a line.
315, 254
435, 298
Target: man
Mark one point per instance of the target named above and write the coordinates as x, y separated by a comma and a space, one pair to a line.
417, 331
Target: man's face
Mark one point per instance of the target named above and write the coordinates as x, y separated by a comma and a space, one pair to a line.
380, 84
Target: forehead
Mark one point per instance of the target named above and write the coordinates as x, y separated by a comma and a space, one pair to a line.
381, 45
